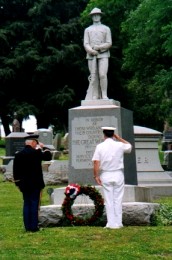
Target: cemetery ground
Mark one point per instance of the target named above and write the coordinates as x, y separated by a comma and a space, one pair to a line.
76, 242
71, 242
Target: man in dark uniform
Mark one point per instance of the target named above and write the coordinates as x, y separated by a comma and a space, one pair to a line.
28, 177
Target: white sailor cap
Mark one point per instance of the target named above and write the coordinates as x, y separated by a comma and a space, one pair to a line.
108, 128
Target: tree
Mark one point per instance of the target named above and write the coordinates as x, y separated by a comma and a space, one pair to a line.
60, 99
40, 44
147, 59
42, 40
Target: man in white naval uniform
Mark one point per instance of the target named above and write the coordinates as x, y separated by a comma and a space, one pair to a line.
108, 162
97, 42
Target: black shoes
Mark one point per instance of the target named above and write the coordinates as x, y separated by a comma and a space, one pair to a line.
33, 230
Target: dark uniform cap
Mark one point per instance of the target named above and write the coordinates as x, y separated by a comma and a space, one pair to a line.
32, 137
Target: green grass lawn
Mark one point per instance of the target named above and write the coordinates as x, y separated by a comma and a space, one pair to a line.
76, 243
72, 243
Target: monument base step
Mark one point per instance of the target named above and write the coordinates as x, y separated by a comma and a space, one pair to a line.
134, 213
100, 102
132, 193
154, 178
158, 191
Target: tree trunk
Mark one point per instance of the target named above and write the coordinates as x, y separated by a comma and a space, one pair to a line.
5, 123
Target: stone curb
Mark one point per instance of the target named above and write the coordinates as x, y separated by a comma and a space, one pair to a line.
134, 214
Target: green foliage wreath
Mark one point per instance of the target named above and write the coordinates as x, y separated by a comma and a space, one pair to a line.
93, 194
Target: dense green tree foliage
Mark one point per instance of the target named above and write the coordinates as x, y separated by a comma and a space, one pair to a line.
41, 43
43, 69
147, 59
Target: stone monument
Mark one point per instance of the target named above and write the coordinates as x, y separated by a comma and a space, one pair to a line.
85, 132
14, 141
16, 124
149, 168
97, 110
45, 137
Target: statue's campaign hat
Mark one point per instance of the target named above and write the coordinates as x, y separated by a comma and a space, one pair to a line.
96, 11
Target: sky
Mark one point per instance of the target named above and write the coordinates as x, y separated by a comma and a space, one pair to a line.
29, 125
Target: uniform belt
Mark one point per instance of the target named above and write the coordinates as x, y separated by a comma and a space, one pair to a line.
108, 170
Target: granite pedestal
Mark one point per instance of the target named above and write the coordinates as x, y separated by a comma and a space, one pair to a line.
85, 132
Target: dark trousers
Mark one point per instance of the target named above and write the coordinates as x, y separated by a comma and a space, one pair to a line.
31, 201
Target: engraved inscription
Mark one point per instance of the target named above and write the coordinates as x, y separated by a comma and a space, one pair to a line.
86, 134
142, 160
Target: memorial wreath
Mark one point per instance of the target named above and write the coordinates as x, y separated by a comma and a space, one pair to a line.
74, 190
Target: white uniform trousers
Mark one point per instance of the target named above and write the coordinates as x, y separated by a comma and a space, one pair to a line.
113, 189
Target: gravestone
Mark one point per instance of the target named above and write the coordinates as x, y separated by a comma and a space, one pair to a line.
146, 144
85, 133
45, 137
57, 172
167, 164
66, 141
14, 142
167, 140
149, 169
57, 141
16, 124
168, 135
167, 148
